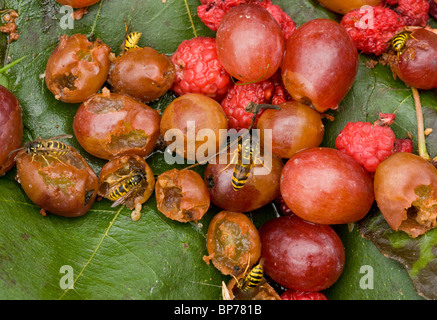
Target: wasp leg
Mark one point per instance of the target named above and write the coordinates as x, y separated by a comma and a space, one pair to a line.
230, 162
240, 285
257, 160
45, 160
248, 264
57, 159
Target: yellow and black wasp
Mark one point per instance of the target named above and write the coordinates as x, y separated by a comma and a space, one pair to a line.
399, 40
247, 152
253, 279
245, 286
124, 187
131, 39
47, 147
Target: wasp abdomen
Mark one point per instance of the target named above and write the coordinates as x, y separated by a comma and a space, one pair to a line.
240, 175
125, 187
244, 167
254, 278
399, 41
132, 40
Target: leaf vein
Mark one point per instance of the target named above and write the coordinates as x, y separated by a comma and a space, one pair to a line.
191, 18
95, 20
105, 234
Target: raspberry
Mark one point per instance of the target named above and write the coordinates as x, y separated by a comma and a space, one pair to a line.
280, 94
403, 145
198, 69
371, 28
367, 143
287, 24
211, 12
413, 12
302, 295
239, 96
285, 210
433, 8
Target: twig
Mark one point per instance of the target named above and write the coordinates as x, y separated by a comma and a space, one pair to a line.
420, 126
13, 63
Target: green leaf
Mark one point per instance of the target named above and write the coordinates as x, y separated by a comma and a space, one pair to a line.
113, 257
4, 81
417, 255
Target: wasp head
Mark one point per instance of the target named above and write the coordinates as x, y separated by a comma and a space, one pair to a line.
32, 147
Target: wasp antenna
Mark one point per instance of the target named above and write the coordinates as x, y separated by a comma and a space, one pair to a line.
239, 284
66, 136
15, 151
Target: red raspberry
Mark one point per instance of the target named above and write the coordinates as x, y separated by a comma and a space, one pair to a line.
211, 12
239, 96
413, 12
287, 25
371, 28
301, 295
367, 143
198, 69
285, 210
280, 94
433, 8
403, 145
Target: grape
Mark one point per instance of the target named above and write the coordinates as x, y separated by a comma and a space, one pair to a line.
250, 43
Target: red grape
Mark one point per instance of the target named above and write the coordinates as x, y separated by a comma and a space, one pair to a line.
250, 43
300, 255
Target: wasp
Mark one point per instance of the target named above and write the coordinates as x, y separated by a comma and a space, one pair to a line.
252, 279
124, 187
399, 40
247, 153
131, 39
47, 147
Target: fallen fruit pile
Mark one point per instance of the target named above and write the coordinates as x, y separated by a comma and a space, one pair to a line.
263, 72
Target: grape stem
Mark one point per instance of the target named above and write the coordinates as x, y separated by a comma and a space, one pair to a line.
420, 126
13, 63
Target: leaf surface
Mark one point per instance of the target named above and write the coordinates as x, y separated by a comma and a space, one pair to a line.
156, 258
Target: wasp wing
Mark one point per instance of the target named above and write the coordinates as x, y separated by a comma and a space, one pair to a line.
62, 136
123, 198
